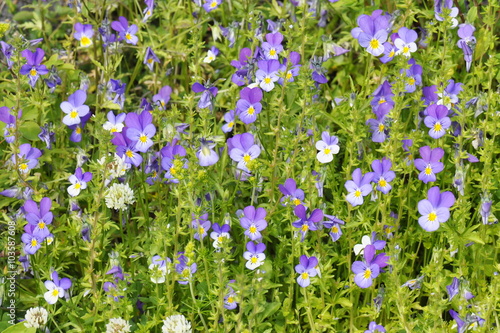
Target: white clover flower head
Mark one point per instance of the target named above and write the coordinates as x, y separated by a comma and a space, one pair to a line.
36, 317
117, 325
119, 196
176, 324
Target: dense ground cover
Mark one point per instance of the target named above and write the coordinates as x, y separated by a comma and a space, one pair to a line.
249, 166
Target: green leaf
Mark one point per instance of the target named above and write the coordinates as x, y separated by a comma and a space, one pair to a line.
19, 328
472, 15
30, 130
475, 238
111, 105
344, 302
270, 309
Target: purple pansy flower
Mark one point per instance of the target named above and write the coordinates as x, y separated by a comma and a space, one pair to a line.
381, 95
291, 193
140, 129
378, 126
359, 187
253, 222
116, 92
57, 288
230, 298
267, 74
435, 209
229, 119
272, 46
39, 218
125, 32
10, 124
208, 94
33, 68
74, 108
150, 58
413, 76
327, 146
126, 147
306, 269
429, 164
467, 42
27, 158
333, 224
452, 289
114, 123
486, 210
306, 223
439, 5
383, 174
84, 33
289, 71
206, 153
249, 106
449, 97
201, 225
373, 327
163, 96
219, 233
243, 67
369, 240
242, 149
405, 43
76, 135
372, 33
254, 255
212, 53
369, 268
389, 52
210, 5
437, 120
78, 181
148, 11
184, 269
7, 50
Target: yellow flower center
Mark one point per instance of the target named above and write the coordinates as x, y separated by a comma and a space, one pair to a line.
230, 299
143, 138
150, 60
173, 171
128, 36
213, 4
406, 49
428, 170
201, 230
382, 182
251, 110
33, 72
289, 75
357, 194
77, 186
296, 202
432, 217
305, 276
219, 239
112, 130
73, 114
304, 227
55, 292
34, 242
327, 151
267, 80
129, 153
374, 43
252, 229
367, 274
85, 41
247, 158
272, 52
78, 130
381, 127
381, 100
253, 260
230, 124
411, 81
41, 225
437, 127
335, 229
391, 54
23, 167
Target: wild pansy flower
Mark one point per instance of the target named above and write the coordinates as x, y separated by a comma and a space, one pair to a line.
383, 174
76, 135
208, 94
267, 74
242, 65
140, 129
210, 5
163, 96
318, 72
333, 223
437, 120
126, 148
150, 58
74, 108
373, 327
291, 194
159, 269
206, 153
172, 160
272, 46
116, 92
185, 269
381, 95
46, 135
32, 241
7, 50
27, 158
229, 119
78, 181
219, 233
435, 209
486, 210
83, 33
10, 124
327, 146
467, 42
389, 52
39, 217
449, 97
359, 187
53, 80
57, 288
429, 164
254, 255
33, 67
372, 33
148, 11
440, 5
112, 290
211, 55
253, 222
290, 67
306, 223
230, 298
452, 289
114, 123
249, 106
405, 43
125, 32
471, 321
378, 126
201, 225
369, 268
413, 76
414, 283
367, 240
241, 149
306, 270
